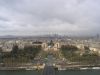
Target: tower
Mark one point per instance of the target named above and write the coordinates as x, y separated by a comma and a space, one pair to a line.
56, 46
44, 45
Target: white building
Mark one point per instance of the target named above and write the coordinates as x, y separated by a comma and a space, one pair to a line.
7, 46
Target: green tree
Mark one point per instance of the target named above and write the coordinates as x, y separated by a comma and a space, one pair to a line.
14, 50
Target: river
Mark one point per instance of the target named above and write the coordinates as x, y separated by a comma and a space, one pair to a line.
84, 72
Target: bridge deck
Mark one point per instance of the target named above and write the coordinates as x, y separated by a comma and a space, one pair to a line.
48, 70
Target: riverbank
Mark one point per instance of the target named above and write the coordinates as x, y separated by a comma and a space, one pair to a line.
68, 68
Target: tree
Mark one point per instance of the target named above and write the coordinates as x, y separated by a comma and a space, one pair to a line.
14, 50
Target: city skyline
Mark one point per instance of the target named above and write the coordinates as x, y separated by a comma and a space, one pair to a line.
36, 17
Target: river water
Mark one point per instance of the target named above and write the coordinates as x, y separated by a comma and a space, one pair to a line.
84, 72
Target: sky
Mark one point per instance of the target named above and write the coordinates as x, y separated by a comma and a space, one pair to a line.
36, 17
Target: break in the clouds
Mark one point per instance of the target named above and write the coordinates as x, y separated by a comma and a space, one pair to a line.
34, 17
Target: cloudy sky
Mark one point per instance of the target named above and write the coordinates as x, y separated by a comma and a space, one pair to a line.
35, 17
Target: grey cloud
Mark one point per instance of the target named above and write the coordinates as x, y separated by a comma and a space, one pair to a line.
44, 16
3, 19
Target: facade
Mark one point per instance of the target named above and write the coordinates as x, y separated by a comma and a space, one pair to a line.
55, 47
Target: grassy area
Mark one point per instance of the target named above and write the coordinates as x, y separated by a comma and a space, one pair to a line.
21, 55
70, 53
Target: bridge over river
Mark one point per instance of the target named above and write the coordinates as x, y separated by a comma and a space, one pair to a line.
48, 70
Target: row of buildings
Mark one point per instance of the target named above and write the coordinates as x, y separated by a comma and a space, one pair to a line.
7, 45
